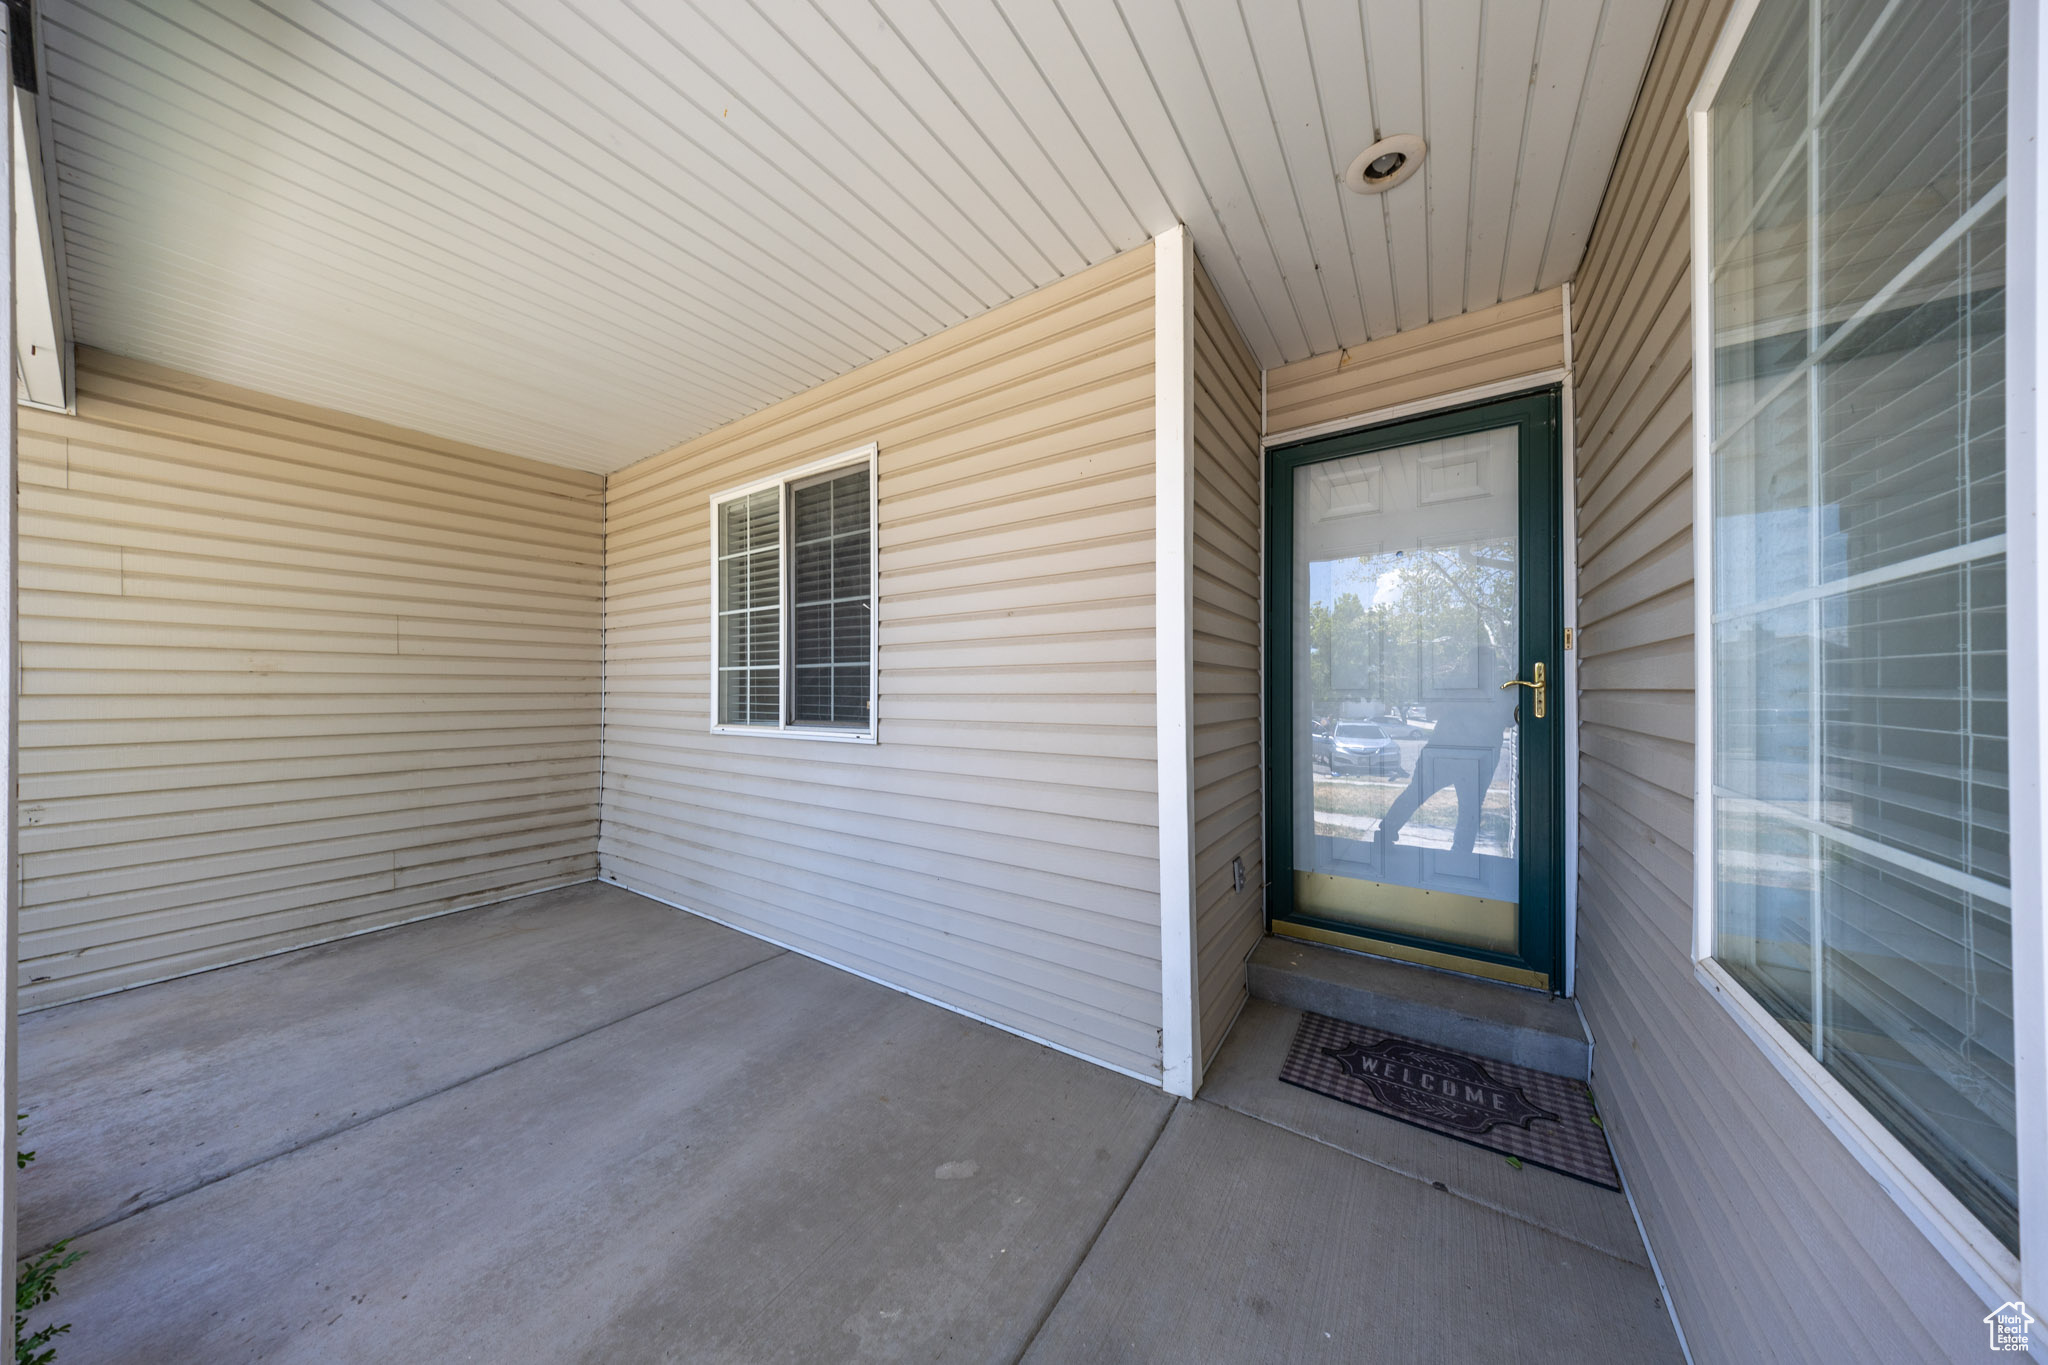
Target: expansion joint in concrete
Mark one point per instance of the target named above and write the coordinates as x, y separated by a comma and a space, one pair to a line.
1487, 1204
355, 1121
1095, 1235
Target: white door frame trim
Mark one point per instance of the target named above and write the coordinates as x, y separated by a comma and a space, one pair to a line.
1422, 407
1568, 648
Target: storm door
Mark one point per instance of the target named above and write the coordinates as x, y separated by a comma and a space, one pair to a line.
1415, 704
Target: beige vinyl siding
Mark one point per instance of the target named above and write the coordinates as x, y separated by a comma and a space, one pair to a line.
1772, 1239
997, 849
1229, 816
1505, 342
287, 675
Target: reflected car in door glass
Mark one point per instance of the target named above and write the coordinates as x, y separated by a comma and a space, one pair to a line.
1358, 747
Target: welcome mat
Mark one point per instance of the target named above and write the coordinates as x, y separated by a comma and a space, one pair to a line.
1530, 1116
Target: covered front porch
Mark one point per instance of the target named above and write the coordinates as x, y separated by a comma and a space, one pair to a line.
722, 681
581, 1125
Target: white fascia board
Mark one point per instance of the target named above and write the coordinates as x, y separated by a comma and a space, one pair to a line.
42, 355
1174, 595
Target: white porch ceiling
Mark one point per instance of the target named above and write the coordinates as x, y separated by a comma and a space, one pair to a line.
586, 230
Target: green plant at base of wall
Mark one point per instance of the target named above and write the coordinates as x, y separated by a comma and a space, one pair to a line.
35, 1284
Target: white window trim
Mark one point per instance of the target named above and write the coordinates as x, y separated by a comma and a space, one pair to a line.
2026, 613
869, 455
1975, 1253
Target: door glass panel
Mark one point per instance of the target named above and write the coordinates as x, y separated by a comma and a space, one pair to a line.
1405, 628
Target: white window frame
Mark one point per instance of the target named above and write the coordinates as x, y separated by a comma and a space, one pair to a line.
1976, 1254
870, 456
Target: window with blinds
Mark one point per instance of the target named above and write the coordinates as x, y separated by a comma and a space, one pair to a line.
829, 600
1856, 218
795, 649
750, 609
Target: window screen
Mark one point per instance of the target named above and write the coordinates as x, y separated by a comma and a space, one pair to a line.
750, 609
1857, 220
829, 600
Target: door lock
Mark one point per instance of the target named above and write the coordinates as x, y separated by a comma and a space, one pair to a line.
1537, 687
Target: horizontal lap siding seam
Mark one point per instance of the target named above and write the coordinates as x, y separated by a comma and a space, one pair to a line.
288, 676
996, 850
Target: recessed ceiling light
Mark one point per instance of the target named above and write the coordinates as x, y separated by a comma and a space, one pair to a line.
1385, 164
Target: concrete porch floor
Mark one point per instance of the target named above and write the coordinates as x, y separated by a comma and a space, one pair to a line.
582, 1126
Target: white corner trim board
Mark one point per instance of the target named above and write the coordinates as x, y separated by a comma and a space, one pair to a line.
10, 674
1174, 596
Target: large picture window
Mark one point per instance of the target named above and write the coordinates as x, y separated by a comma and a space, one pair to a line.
1852, 232
793, 644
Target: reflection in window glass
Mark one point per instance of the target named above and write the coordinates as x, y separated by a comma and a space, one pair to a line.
750, 609
1862, 890
829, 600
1408, 622
795, 601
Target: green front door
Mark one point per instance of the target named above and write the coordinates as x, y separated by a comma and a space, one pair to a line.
1416, 772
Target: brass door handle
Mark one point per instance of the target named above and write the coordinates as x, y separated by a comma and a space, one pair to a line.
1537, 687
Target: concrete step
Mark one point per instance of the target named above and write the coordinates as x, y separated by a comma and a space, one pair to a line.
1484, 1018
